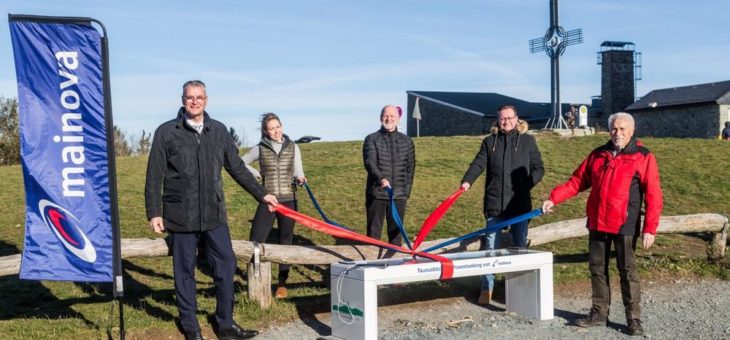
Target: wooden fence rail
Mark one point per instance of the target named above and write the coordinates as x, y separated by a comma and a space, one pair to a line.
260, 276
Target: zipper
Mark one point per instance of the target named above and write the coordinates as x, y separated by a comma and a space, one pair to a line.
278, 170
200, 184
393, 161
606, 167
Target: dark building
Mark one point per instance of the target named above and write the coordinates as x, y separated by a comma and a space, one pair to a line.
698, 111
618, 62
468, 113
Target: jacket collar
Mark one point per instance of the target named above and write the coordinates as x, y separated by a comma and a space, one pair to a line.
631, 148
265, 141
383, 130
521, 128
182, 120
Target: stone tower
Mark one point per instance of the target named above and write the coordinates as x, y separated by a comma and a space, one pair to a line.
617, 77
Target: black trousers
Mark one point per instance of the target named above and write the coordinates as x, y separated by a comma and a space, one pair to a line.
377, 210
263, 222
599, 254
223, 262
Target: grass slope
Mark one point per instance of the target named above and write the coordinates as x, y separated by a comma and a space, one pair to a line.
694, 179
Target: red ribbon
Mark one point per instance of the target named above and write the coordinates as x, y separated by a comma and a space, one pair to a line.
435, 217
447, 266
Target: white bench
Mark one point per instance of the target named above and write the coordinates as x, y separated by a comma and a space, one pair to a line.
354, 285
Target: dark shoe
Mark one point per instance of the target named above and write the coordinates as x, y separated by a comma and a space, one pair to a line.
236, 332
635, 327
593, 319
194, 336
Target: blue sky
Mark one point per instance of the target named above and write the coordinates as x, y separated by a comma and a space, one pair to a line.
327, 66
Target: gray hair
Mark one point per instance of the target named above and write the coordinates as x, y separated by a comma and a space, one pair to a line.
618, 115
192, 83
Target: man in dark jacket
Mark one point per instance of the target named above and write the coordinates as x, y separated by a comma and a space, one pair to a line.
390, 160
726, 131
184, 196
620, 174
514, 166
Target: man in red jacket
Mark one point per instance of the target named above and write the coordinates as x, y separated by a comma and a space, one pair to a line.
620, 174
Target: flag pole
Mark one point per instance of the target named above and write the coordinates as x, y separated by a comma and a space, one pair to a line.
417, 116
117, 282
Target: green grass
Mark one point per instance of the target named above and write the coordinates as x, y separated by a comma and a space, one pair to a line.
694, 179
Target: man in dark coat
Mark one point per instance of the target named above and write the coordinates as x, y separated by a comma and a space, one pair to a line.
514, 166
390, 160
726, 131
184, 196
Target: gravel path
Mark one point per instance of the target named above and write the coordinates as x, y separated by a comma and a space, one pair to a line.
678, 309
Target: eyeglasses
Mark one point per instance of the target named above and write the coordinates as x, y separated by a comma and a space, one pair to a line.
504, 119
193, 99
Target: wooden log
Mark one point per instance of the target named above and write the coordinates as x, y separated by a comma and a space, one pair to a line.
10, 265
145, 247
324, 255
259, 283
667, 225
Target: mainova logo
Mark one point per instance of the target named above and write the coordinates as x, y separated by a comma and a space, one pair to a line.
66, 228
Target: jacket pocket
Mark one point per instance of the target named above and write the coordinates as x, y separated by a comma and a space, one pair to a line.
175, 212
221, 206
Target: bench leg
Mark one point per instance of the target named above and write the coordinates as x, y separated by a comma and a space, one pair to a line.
354, 306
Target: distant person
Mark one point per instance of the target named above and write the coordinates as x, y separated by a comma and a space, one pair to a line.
514, 166
726, 131
620, 174
280, 162
184, 196
570, 118
390, 161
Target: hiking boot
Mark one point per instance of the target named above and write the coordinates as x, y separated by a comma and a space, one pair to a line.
593, 319
635, 327
281, 292
485, 297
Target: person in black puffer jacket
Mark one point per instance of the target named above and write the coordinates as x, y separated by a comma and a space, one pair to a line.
390, 161
514, 166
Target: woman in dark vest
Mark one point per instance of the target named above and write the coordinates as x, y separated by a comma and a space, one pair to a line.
281, 165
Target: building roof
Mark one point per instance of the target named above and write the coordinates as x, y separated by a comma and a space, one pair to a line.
487, 103
718, 92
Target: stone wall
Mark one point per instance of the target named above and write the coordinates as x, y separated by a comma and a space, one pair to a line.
441, 120
688, 121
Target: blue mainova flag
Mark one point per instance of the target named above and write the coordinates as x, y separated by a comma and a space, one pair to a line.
63, 147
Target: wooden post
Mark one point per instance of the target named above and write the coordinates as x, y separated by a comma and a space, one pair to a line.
259, 278
259, 284
719, 242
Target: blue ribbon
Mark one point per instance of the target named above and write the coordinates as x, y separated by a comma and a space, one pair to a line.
396, 217
319, 209
488, 229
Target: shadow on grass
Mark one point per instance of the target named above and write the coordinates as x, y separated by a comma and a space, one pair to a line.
24, 299
574, 258
136, 293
